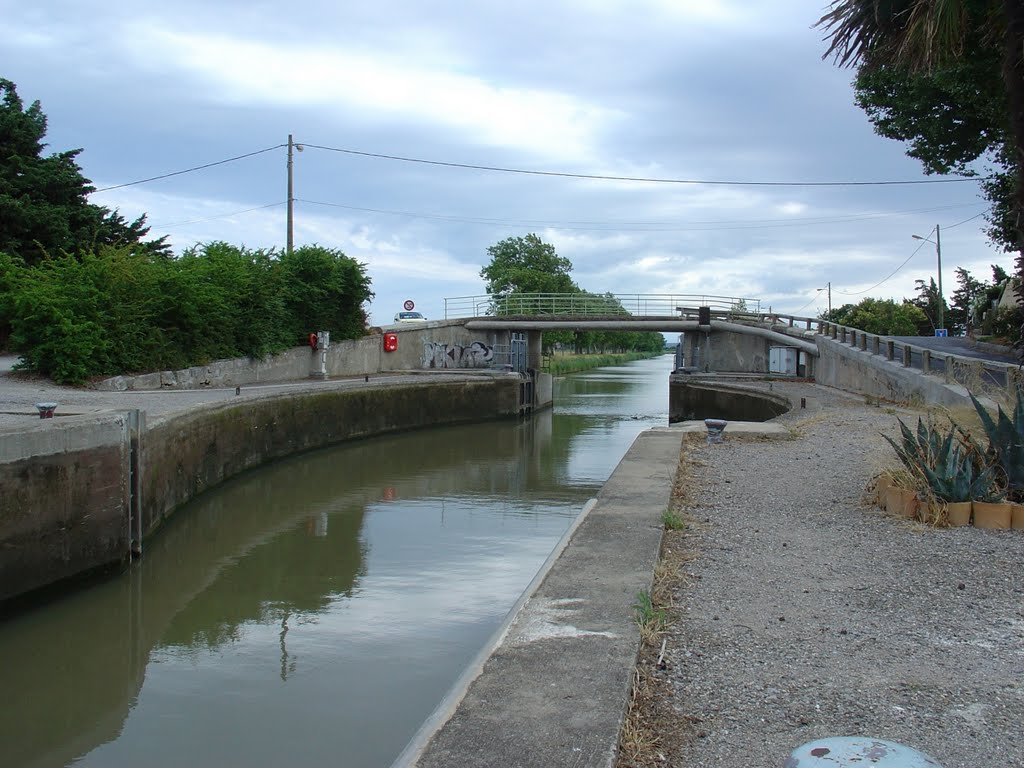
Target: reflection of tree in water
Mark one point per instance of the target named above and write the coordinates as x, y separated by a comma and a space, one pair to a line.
297, 572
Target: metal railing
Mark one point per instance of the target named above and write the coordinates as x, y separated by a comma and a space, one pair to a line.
593, 305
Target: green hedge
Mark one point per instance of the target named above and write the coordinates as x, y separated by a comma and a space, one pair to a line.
116, 310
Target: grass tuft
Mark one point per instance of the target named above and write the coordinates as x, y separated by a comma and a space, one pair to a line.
672, 520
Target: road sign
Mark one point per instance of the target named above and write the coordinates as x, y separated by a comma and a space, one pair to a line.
942, 332
409, 305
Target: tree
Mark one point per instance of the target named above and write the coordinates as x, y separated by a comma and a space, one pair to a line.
928, 35
884, 317
44, 208
527, 265
963, 310
950, 118
927, 301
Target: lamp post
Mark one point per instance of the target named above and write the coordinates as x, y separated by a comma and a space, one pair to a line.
828, 287
938, 256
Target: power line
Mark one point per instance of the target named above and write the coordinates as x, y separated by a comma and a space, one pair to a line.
907, 260
966, 220
213, 218
901, 266
602, 177
190, 170
719, 226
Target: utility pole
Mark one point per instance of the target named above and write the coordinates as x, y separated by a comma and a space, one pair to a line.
938, 256
291, 217
828, 287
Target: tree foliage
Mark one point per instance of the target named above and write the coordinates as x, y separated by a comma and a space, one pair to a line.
884, 317
527, 265
522, 266
928, 301
115, 310
930, 36
44, 208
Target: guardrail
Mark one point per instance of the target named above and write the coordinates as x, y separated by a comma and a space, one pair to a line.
588, 304
977, 375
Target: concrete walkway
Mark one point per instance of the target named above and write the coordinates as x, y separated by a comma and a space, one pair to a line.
20, 392
554, 689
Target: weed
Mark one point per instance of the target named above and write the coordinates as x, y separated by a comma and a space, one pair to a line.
672, 520
651, 619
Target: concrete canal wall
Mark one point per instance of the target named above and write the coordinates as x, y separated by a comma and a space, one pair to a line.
81, 492
64, 500
443, 345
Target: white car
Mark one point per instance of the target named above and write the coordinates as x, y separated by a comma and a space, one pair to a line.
409, 317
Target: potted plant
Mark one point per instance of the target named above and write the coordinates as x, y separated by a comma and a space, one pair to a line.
952, 466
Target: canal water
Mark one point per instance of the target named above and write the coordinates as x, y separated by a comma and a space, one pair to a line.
314, 612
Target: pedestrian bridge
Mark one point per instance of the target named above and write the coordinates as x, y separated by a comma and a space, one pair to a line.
736, 335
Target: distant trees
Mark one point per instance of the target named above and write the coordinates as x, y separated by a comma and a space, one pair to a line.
528, 265
884, 317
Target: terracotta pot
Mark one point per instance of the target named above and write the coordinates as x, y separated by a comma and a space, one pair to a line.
882, 484
1017, 516
991, 514
894, 500
911, 503
958, 513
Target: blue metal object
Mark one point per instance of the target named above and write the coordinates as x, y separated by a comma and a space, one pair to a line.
46, 410
859, 752
715, 429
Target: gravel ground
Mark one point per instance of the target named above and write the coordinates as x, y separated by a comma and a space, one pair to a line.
809, 614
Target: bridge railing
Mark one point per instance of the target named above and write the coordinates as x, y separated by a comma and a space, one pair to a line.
992, 377
640, 304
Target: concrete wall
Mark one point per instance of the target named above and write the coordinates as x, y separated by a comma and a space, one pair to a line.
447, 346
64, 505
725, 352
186, 455
64, 509
854, 370
433, 345
695, 398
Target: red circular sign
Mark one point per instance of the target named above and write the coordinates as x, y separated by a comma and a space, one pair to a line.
409, 305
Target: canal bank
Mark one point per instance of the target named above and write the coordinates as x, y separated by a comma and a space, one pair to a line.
256, 609
83, 492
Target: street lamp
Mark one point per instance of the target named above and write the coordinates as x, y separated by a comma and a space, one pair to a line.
938, 256
828, 287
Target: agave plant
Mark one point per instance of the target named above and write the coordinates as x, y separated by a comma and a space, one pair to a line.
955, 469
1006, 442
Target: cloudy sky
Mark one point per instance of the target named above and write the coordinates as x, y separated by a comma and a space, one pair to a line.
697, 90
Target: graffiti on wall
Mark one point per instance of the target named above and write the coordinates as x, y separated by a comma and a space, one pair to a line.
437, 354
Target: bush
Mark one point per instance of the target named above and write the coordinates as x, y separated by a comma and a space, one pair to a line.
120, 310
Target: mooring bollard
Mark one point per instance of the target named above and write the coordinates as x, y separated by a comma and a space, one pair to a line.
715, 429
856, 751
46, 410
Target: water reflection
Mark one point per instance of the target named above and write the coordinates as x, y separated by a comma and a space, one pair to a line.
315, 611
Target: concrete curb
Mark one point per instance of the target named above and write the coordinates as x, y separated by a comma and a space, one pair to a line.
554, 689
454, 697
